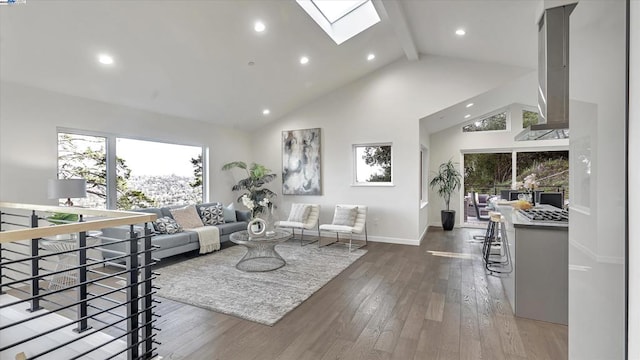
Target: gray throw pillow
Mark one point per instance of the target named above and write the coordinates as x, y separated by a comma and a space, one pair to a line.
212, 215
166, 225
229, 213
299, 213
345, 215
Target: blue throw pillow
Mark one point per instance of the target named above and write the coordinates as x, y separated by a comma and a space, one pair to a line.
230, 213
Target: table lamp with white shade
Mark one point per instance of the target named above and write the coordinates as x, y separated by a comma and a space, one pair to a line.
67, 188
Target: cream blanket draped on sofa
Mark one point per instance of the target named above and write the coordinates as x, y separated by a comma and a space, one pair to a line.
209, 237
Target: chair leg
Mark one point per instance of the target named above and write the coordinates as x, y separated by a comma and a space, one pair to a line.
303, 243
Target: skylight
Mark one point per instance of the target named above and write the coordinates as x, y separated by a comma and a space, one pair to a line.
334, 10
342, 19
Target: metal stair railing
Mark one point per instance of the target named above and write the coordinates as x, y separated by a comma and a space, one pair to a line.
52, 282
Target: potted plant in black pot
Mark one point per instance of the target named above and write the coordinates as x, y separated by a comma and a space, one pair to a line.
446, 181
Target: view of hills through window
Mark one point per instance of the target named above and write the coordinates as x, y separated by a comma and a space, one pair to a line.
148, 173
160, 174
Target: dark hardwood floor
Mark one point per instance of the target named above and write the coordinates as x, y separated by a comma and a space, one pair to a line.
396, 302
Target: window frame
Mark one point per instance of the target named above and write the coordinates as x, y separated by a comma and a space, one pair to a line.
111, 140
424, 176
354, 148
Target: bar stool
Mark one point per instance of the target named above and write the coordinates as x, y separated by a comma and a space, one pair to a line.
496, 239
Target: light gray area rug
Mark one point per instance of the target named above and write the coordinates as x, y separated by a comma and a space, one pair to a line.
212, 281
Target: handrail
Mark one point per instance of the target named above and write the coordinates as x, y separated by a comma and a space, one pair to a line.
67, 293
117, 218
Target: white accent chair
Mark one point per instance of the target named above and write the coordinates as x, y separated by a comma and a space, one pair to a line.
358, 227
310, 224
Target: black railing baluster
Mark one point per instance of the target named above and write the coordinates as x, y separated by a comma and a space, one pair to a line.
35, 267
82, 279
132, 294
92, 315
147, 315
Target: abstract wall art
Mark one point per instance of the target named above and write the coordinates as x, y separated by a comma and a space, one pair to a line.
301, 162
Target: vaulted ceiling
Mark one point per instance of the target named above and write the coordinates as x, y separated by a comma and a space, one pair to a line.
203, 59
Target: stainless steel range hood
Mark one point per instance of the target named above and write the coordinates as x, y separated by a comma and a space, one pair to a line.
553, 77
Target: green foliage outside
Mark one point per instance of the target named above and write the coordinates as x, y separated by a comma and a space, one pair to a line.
490, 173
482, 171
529, 118
551, 169
494, 122
91, 165
197, 172
381, 156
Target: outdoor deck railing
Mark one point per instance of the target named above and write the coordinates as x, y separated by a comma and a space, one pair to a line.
495, 189
60, 298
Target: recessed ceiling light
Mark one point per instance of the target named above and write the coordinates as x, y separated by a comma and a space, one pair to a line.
259, 26
467, 116
105, 59
460, 32
371, 57
304, 60
266, 112
469, 105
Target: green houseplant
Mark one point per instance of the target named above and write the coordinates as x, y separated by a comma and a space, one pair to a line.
446, 181
256, 198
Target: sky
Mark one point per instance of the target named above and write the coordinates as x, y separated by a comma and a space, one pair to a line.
153, 158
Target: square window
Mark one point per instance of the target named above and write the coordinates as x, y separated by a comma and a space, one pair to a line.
372, 164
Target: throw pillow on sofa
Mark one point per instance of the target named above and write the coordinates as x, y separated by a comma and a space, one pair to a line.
166, 225
230, 213
187, 217
212, 215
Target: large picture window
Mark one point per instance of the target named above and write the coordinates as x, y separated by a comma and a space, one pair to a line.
147, 173
372, 164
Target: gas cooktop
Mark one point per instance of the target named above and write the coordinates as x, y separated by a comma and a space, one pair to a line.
558, 215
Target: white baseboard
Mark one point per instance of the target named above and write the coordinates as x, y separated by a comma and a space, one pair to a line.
382, 239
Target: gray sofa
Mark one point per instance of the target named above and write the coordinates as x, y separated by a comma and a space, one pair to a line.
171, 244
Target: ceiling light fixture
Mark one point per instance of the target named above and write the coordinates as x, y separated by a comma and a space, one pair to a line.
304, 60
266, 112
460, 32
371, 57
469, 105
467, 116
259, 26
105, 59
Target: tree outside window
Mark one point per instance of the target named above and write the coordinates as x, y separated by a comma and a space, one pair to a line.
373, 163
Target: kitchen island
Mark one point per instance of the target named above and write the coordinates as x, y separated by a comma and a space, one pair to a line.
538, 287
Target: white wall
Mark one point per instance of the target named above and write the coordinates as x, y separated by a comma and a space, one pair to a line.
451, 143
634, 181
597, 231
382, 107
29, 118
